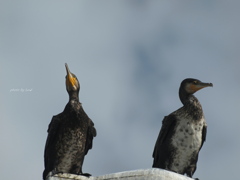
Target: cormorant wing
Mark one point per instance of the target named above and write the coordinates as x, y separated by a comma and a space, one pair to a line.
204, 135
49, 153
91, 132
167, 128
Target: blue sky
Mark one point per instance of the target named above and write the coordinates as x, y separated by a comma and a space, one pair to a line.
130, 58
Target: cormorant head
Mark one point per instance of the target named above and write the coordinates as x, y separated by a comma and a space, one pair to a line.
189, 86
72, 84
193, 85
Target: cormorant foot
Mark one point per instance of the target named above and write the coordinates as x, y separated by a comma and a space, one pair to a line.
53, 172
85, 174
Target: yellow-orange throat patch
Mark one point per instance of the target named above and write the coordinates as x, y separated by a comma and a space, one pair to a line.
71, 81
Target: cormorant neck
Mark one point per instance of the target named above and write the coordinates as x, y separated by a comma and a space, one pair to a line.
73, 96
73, 104
187, 98
190, 100
191, 104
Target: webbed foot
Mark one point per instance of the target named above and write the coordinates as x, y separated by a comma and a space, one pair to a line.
85, 174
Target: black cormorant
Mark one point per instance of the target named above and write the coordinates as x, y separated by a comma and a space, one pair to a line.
183, 132
70, 135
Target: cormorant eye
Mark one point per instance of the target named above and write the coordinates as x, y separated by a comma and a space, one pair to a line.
194, 82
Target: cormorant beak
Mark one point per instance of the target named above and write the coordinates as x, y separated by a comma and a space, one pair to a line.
71, 81
197, 85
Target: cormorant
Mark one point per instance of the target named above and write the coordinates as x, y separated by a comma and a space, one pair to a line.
183, 132
70, 135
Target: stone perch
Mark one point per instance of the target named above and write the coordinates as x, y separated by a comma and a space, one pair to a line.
141, 174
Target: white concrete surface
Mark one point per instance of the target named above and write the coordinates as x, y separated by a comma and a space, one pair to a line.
141, 174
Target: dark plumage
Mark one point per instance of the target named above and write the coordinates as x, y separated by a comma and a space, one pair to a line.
183, 132
70, 135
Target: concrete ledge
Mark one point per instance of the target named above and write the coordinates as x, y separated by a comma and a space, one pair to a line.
141, 174
66, 176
